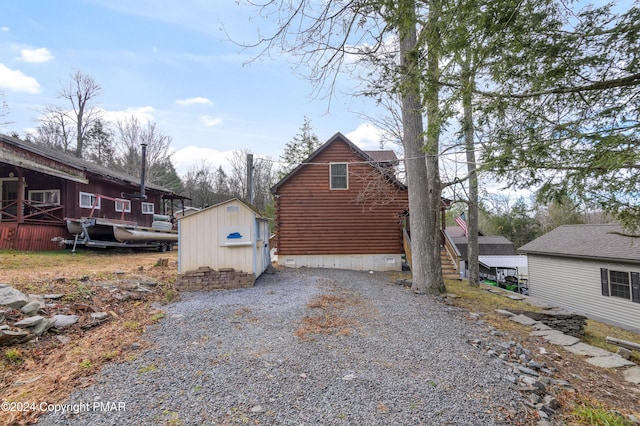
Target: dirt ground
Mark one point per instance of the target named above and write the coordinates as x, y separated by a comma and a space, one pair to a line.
51, 367
48, 369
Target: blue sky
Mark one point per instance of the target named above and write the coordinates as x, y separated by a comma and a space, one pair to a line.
168, 62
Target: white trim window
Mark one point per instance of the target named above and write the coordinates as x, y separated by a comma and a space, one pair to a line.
622, 284
338, 176
123, 205
45, 197
87, 200
148, 208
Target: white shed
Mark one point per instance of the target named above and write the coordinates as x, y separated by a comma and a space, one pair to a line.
230, 235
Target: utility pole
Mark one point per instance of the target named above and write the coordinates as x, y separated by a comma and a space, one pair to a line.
250, 178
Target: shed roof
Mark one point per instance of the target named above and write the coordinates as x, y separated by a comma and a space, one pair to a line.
605, 242
487, 246
457, 231
215, 206
366, 156
74, 162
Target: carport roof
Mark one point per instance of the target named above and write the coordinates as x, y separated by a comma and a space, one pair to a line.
503, 261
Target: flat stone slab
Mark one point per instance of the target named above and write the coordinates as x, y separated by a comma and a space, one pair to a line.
9, 296
516, 297
582, 348
545, 332
632, 375
29, 322
610, 361
561, 339
504, 313
62, 321
53, 296
541, 326
523, 319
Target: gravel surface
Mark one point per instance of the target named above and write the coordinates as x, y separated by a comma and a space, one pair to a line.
250, 357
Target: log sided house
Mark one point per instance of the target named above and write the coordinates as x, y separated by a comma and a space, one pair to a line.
343, 208
41, 187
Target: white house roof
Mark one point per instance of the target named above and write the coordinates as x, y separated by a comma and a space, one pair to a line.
503, 261
605, 242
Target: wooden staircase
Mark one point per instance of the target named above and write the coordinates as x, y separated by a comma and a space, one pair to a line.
449, 270
450, 263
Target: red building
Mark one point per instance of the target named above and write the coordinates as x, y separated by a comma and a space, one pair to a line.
40, 188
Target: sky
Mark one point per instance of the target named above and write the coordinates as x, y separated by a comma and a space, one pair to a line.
169, 62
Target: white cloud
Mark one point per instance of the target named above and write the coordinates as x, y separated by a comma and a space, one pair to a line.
143, 114
210, 121
194, 101
187, 158
36, 55
4, 29
17, 81
366, 136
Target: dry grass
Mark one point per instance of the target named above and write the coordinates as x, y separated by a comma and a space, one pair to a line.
331, 319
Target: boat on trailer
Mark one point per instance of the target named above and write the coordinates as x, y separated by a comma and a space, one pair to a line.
103, 233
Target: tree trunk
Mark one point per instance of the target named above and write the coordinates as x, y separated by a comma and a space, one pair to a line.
435, 283
423, 216
472, 217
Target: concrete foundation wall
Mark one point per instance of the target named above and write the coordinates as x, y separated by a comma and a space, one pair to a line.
356, 262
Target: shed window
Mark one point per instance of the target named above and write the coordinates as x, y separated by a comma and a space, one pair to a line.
47, 197
338, 176
147, 208
88, 200
123, 206
622, 284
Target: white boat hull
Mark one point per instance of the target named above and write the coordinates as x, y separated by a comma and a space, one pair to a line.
140, 234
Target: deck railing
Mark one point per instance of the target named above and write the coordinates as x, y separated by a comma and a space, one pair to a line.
450, 249
31, 212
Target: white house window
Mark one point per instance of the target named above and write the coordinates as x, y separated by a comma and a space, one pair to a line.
338, 176
622, 284
123, 205
87, 200
147, 208
619, 284
45, 197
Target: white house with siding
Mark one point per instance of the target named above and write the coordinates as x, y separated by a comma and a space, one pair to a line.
227, 235
593, 270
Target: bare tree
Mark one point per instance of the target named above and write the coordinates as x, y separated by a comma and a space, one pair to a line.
4, 108
264, 177
130, 135
56, 129
81, 93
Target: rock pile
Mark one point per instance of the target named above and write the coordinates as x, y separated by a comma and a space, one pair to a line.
534, 379
26, 317
566, 322
23, 312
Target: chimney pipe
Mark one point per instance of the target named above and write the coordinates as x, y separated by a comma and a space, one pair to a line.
144, 170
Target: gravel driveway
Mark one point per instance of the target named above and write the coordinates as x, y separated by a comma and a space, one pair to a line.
252, 356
